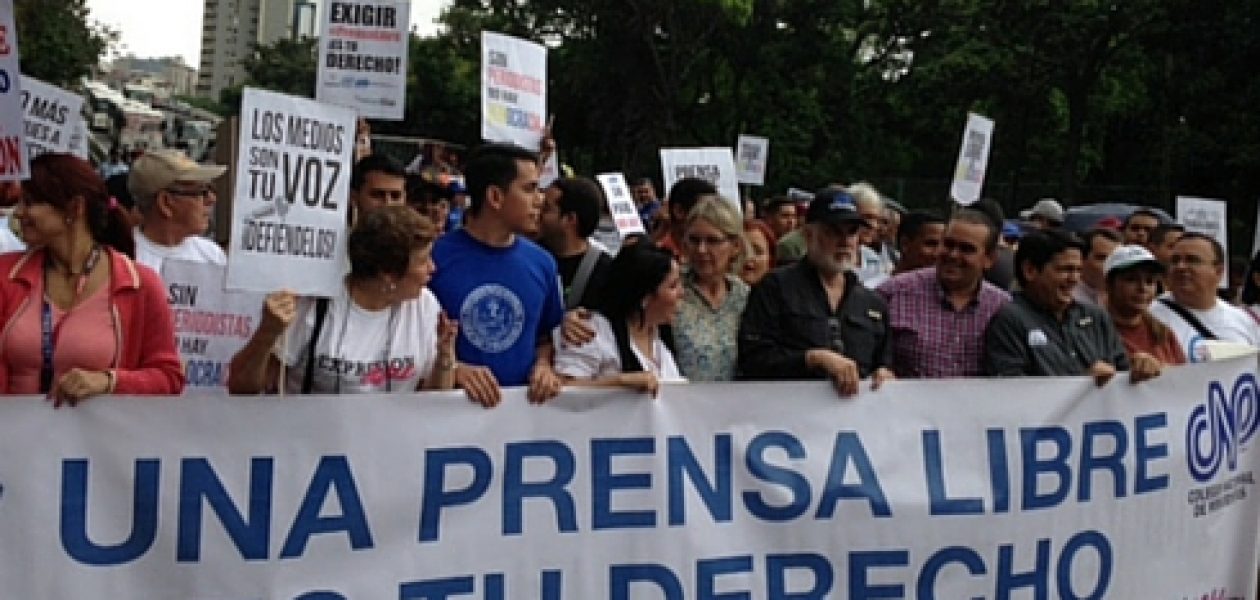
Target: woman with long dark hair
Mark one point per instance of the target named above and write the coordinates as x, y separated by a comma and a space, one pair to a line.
80, 317
631, 347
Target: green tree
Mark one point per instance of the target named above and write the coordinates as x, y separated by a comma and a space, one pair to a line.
57, 41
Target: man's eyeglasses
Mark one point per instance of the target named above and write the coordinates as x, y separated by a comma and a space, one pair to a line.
198, 193
1189, 261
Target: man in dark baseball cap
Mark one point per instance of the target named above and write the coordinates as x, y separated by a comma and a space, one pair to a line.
814, 319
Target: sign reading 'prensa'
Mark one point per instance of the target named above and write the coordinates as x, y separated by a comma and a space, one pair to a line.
292, 190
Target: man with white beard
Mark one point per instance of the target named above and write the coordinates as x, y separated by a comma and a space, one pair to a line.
814, 319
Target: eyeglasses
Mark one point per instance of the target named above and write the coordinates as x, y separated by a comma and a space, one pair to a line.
199, 193
700, 240
1189, 261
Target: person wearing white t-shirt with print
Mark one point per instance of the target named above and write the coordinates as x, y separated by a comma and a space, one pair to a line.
383, 332
1195, 268
174, 196
631, 347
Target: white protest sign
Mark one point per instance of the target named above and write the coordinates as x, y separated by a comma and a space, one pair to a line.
621, 204
751, 153
14, 162
513, 90
211, 323
292, 191
973, 160
81, 140
53, 117
363, 57
1038, 488
1208, 217
550, 171
715, 165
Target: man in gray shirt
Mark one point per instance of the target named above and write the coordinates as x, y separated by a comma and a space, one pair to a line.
1043, 331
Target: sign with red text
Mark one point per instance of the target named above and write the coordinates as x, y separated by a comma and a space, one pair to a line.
14, 160
211, 323
363, 57
292, 191
621, 204
513, 90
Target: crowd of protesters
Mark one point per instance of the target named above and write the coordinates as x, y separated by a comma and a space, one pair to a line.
471, 274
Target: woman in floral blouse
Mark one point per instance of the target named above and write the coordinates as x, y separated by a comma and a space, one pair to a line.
707, 325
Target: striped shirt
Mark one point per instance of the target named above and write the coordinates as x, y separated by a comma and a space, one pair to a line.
930, 338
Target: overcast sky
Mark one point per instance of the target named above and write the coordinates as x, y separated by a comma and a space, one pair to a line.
155, 28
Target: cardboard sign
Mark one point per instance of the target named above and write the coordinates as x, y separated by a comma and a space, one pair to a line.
363, 57
513, 90
715, 165
211, 323
292, 193
14, 162
621, 204
53, 118
973, 159
751, 154
1208, 217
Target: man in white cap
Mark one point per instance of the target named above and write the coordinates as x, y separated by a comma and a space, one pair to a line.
1132, 277
1047, 213
174, 195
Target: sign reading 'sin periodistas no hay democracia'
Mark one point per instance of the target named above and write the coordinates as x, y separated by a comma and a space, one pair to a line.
292, 188
363, 57
13, 158
513, 90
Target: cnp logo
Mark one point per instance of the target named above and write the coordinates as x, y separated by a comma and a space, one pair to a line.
1219, 428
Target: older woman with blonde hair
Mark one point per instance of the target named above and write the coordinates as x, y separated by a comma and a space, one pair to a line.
714, 297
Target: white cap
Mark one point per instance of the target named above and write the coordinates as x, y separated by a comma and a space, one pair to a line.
1130, 256
1047, 208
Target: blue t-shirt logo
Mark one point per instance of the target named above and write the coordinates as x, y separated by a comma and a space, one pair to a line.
492, 318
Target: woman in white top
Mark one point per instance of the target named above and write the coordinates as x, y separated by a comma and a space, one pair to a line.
632, 343
383, 332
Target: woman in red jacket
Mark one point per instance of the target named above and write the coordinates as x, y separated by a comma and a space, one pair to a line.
78, 317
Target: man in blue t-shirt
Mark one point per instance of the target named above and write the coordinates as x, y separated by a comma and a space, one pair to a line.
503, 289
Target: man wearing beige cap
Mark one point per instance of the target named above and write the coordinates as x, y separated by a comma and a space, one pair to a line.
174, 196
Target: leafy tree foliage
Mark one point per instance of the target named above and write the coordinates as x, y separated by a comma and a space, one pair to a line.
1095, 100
57, 41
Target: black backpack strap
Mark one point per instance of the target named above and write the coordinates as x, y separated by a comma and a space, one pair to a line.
321, 311
629, 362
1189, 318
583, 276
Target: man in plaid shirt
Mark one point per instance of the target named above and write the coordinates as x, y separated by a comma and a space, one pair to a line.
938, 314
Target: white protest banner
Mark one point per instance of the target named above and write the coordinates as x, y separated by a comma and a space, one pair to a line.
513, 90
998, 488
1208, 217
363, 57
53, 117
14, 162
621, 204
292, 191
211, 323
973, 160
751, 153
715, 165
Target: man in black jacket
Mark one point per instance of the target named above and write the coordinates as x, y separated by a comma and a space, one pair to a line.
813, 319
